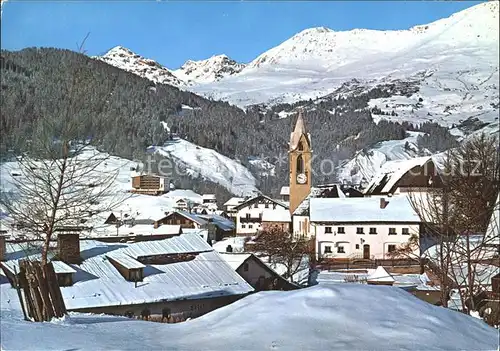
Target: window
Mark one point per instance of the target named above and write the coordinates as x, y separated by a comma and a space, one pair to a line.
341, 230
245, 267
248, 215
359, 230
300, 164
357, 246
391, 248
328, 249
405, 231
250, 226
266, 205
392, 231
243, 226
340, 249
373, 230
256, 205
301, 146
328, 230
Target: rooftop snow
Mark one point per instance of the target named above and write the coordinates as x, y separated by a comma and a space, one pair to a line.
207, 275
380, 275
362, 209
235, 260
234, 201
392, 171
276, 216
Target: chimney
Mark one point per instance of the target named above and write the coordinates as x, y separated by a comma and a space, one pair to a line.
383, 203
229, 248
2, 248
69, 247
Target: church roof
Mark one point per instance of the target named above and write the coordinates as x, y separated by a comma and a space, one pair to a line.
300, 129
323, 191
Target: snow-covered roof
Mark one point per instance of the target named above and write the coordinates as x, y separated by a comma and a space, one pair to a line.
330, 191
208, 197
363, 209
380, 275
392, 171
234, 201
237, 243
221, 222
235, 260
138, 229
207, 275
186, 194
125, 261
285, 190
61, 267
276, 216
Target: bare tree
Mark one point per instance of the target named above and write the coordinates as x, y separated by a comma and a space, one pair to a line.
283, 248
62, 179
456, 214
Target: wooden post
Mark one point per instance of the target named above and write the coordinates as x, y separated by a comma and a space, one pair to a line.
19, 294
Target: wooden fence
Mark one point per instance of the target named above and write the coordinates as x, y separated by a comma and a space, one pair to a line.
365, 264
41, 297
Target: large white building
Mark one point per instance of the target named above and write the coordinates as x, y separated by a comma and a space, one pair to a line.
368, 228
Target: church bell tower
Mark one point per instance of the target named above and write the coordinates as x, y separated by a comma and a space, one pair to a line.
299, 154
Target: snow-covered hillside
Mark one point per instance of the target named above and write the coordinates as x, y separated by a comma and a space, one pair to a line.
365, 164
208, 164
331, 317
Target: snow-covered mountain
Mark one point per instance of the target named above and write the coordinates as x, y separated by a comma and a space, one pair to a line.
190, 73
127, 60
453, 64
210, 70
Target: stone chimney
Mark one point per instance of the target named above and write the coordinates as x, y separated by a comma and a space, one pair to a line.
68, 246
383, 203
2, 248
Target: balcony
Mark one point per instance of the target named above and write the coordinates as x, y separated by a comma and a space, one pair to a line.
251, 219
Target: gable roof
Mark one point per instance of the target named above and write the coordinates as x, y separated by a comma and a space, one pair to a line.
391, 172
363, 210
97, 283
190, 216
234, 201
259, 197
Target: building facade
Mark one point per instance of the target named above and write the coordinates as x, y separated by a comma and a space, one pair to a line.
249, 214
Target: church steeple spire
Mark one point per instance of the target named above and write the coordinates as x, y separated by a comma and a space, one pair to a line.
298, 132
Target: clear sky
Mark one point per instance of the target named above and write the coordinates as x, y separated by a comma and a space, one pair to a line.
172, 32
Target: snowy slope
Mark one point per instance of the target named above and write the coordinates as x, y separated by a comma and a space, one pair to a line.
208, 164
335, 317
364, 165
